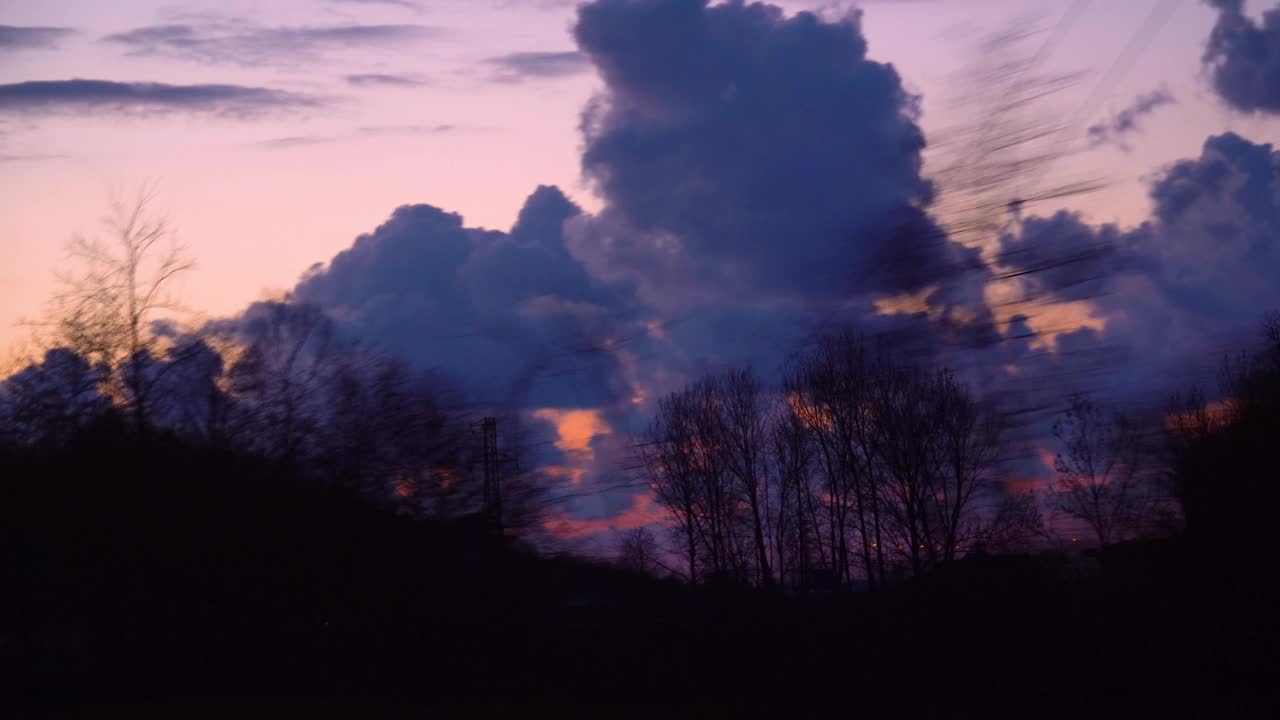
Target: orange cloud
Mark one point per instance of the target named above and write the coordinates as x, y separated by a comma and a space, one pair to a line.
1049, 458
565, 471
1024, 486
574, 431
1215, 415
643, 511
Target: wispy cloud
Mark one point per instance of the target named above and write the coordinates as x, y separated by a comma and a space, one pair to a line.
244, 43
296, 141
411, 129
406, 4
1117, 128
13, 37
78, 95
293, 141
519, 66
366, 80
30, 157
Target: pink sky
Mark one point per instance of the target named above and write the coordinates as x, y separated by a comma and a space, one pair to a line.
256, 216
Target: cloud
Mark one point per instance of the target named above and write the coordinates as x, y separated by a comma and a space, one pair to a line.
244, 43
293, 141
406, 4
1243, 57
760, 180
79, 95
379, 130
740, 148
512, 316
30, 157
1187, 285
1115, 130
372, 131
368, 80
642, 512
1061, 256
13, 37
515, 67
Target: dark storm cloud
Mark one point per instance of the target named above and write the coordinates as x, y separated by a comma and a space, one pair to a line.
13, 37
230, 40
1244, 57
515, 67
1061, 256
78, 95
1115, 130
741, 149
511, 315
367, 80
1189, 284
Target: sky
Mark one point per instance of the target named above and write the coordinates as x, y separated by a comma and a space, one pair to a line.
708, 163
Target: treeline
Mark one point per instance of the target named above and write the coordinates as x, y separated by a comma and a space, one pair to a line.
277, 385
861, 469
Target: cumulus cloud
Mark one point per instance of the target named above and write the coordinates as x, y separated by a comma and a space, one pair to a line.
512, 315
79, 95
1190, 283
740, 148
14, 37
367, 80
1115, 130
1243, 57
515, 67
241, 42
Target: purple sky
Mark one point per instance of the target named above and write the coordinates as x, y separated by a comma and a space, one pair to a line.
458, 132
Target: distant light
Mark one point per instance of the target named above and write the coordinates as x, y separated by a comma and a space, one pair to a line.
1075, 539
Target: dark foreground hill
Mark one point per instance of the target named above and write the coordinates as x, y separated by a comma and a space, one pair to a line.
183, 580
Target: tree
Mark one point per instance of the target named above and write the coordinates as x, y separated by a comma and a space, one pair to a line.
969, 443
288, 352
1101, 480
745, 424
667, 457
117, 289
638, 551
1222, 454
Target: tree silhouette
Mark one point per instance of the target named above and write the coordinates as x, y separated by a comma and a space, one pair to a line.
1101, 475
115, 290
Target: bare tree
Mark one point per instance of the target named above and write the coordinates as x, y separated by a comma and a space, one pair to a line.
667, 457
639, 552
120, 285
288, 353
969, 442
1101, 480
745, 424
794, 527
